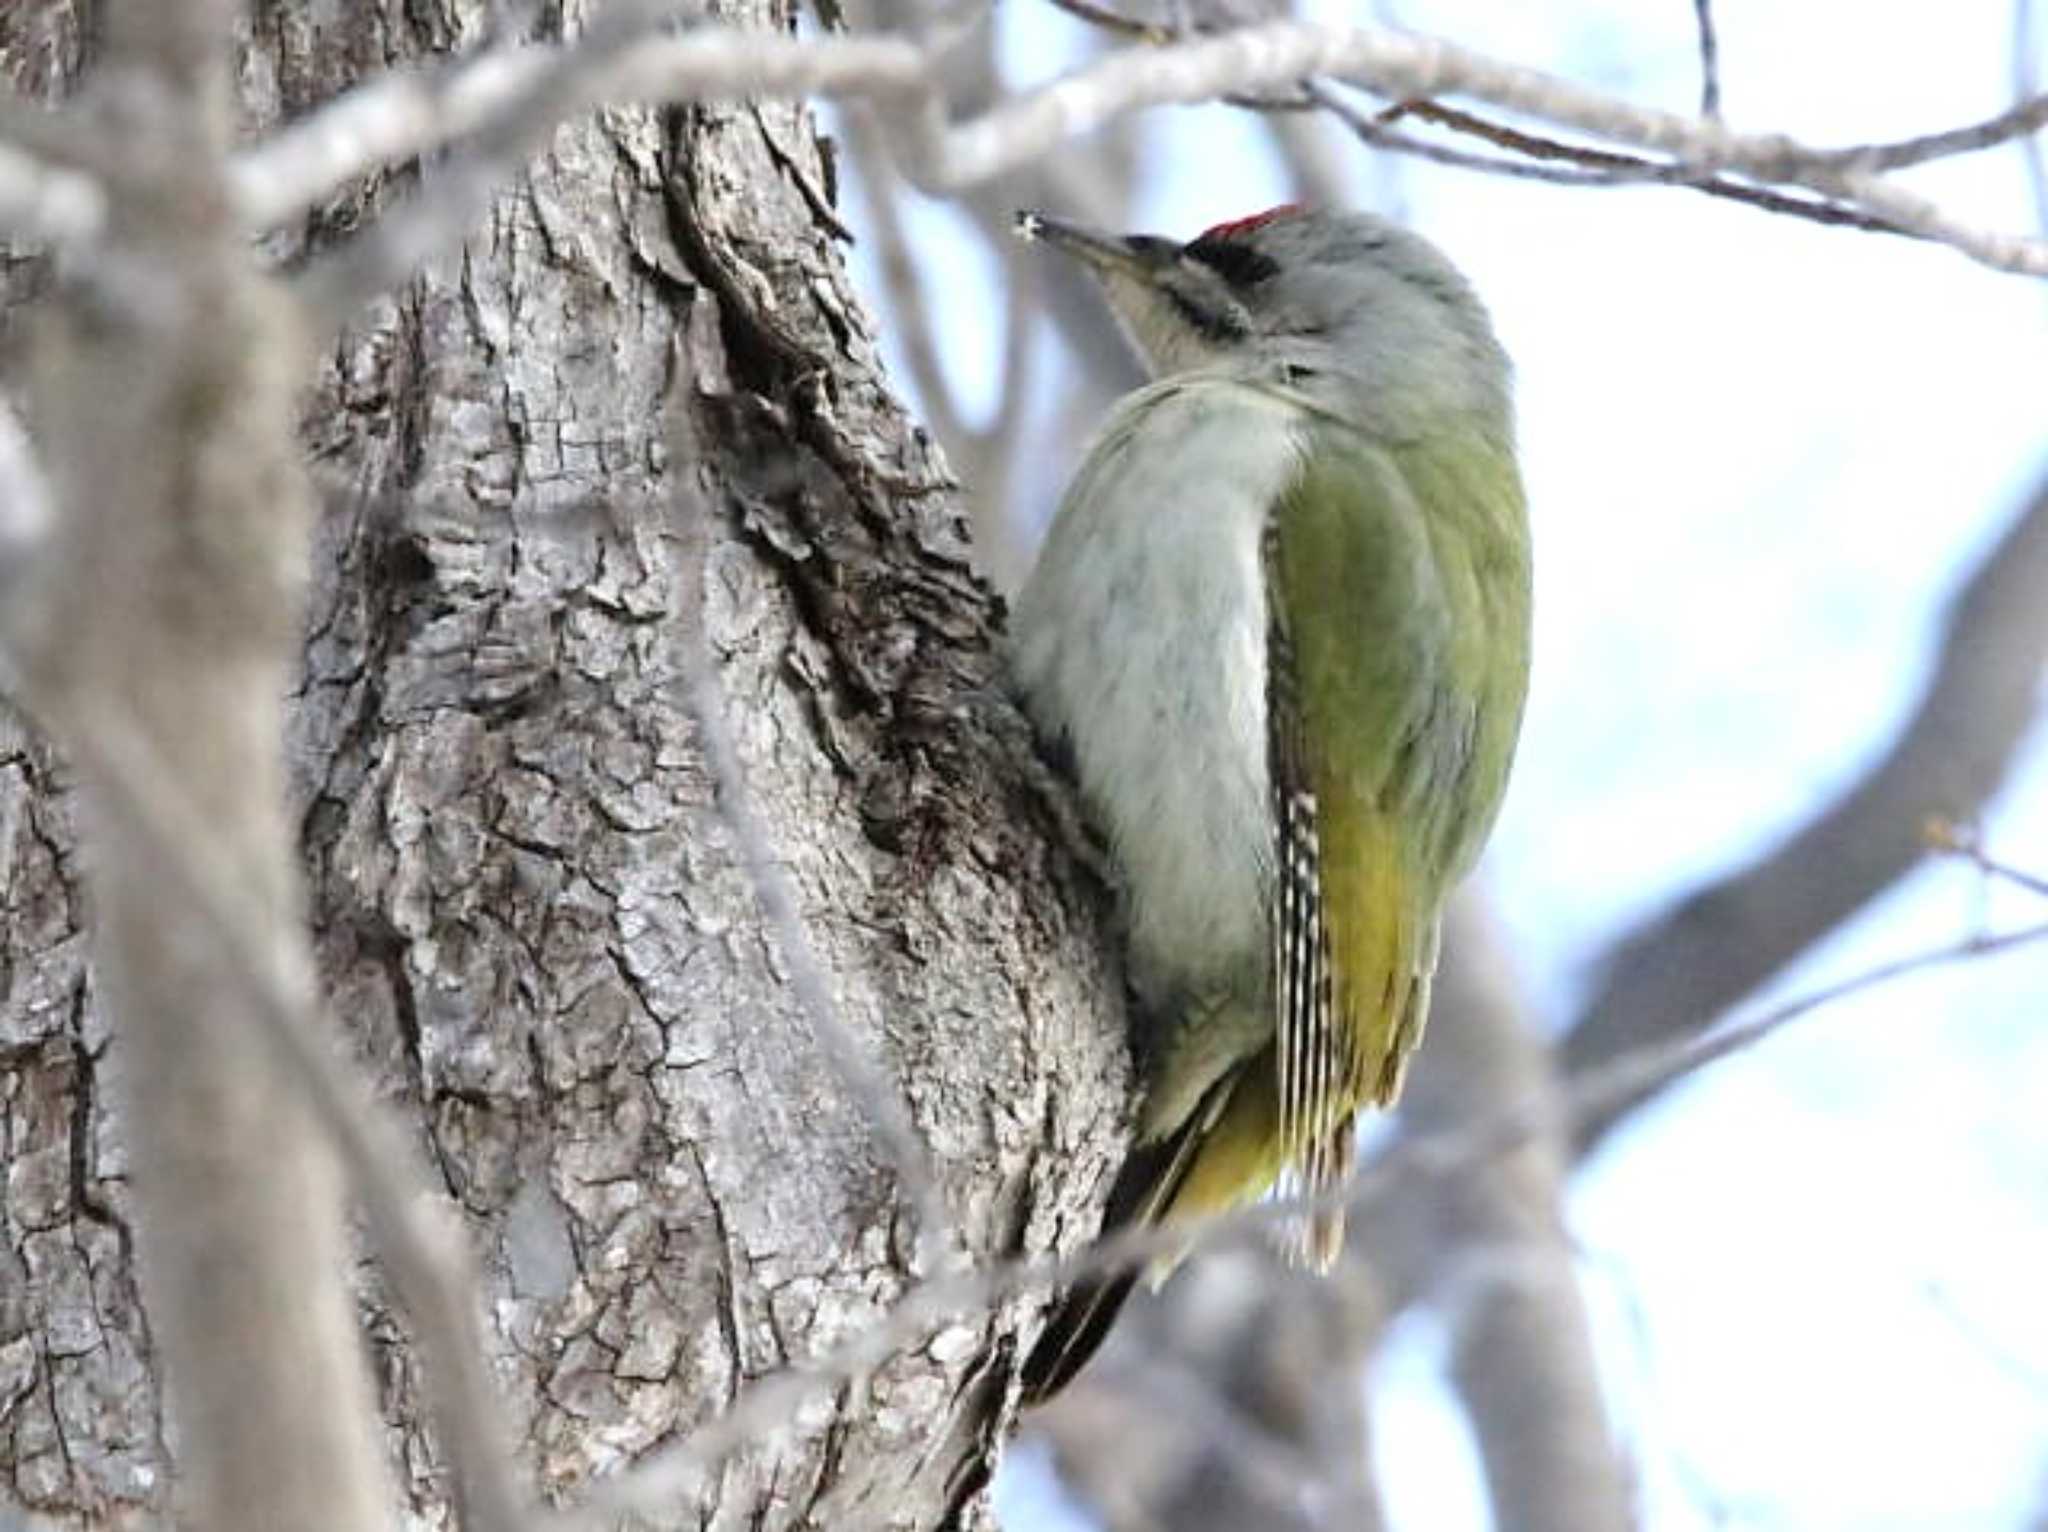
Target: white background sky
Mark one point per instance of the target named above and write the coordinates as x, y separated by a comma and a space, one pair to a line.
1760, 454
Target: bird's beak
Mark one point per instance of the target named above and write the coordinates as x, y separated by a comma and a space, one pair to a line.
1135, 256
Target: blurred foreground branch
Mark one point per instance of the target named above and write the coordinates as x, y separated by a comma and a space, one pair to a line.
160, 596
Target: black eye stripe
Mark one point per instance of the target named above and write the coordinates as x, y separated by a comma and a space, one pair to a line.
1215, 324
1238, 264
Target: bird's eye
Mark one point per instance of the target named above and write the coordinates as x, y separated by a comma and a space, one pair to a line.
1238, 264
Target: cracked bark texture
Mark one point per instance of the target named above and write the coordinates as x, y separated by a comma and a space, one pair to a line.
643, 384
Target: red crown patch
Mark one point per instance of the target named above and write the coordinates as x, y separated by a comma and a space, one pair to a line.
1237, 227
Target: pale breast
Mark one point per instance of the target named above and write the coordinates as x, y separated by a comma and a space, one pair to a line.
1140, 640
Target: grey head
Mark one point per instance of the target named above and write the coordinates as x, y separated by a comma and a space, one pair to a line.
1367, 306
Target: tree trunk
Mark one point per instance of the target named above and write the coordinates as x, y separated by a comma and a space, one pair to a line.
628, 451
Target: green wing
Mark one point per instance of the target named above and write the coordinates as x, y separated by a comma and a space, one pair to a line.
1399, 660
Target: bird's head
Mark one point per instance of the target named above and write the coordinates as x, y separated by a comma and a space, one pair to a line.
1339, 292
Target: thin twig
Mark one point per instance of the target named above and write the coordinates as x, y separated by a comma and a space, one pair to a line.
1959, 840
768, 1403
1587, 166
1605, 167
1373, 128
1594, 167
1104, 19
870, 1089
1407, 67
1710, 60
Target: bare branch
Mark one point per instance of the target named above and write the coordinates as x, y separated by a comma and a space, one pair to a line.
156, 646
708, 63
1727, 938
1115, 22
405, 115
2022, 120
168, 428
402, 116
396, 117
1600, 167
1408, 67
1375, 128
1593, 167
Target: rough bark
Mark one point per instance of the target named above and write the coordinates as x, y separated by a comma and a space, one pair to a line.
642, 389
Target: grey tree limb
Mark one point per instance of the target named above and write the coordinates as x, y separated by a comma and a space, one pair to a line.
1690, 966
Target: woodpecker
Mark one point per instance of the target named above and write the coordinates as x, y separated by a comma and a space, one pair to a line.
1280, 627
